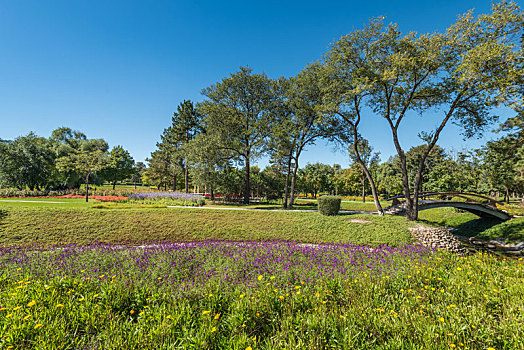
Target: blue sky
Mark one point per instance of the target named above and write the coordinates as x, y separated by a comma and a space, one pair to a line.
118, 69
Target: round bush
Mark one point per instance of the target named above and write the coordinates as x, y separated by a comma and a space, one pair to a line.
329, 205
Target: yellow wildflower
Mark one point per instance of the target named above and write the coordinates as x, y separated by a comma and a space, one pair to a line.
16, 308
260, 277
205, 312
25, 318
132, 312
217, 316
38, 326
31, 303
213, 329
59, 305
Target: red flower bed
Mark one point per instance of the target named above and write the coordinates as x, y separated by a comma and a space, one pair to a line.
98, 198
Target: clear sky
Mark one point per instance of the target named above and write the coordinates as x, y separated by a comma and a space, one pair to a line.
118, 69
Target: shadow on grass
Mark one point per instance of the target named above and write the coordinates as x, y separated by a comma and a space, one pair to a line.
3, 215
476, 227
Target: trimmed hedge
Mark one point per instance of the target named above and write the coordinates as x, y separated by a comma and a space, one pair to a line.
329, 205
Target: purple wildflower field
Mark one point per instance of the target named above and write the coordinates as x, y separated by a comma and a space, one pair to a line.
165, 195
186, 268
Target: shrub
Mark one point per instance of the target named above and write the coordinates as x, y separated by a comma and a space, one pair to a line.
329, 205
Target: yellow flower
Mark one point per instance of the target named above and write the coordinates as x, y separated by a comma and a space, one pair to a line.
260, 277
59, 305
272, 277
249, 348
281, 297
452, 345
141, 313
132, 312
38, 326
298, 293
206, 312
94, 296
81, 299
31, 303
213, 329
25, 318
217, 316
490, 348
258, 315
459, 269
441, 319
7, 316
16, 308
241, 296
317, 294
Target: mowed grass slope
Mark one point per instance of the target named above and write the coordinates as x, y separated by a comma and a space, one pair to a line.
50, 225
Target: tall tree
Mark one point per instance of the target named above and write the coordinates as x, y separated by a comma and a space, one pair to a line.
185, 125
237, 112
462, 75
367, 156
347, 87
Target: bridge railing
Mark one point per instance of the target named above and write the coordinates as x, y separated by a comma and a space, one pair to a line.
490, 201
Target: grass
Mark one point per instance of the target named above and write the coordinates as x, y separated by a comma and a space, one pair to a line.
470, 225
436, 301
43, 225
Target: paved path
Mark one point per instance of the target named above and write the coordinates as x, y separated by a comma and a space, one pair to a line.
21, 201
279, 210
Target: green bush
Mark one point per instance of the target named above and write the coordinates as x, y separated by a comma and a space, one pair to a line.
329, 205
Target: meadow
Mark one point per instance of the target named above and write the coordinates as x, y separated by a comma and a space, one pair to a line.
169, 278
251, 295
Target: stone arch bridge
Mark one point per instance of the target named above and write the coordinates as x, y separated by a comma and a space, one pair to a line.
485, 208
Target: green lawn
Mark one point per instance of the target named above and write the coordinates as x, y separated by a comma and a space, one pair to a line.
73, 220
48, 225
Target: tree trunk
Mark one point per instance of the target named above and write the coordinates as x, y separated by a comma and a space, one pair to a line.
212, 193
186, 176
114, 185
246, 180
87, 188
174, 182
293, 181
286, 191
363, 187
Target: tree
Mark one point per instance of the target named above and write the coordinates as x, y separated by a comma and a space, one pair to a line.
346, 87
85, 162
237, 113
185, 125
367, 157
315, 178
462, 74
27, 161
138, 171
121, 166
301, 121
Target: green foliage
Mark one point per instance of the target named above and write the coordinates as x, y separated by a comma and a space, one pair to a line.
236, 112
329, 205
315, 178
28, 161
120, 166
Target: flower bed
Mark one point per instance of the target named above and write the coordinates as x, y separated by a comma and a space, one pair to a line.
169, 198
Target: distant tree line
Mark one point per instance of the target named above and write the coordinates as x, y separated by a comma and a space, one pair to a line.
65, 160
